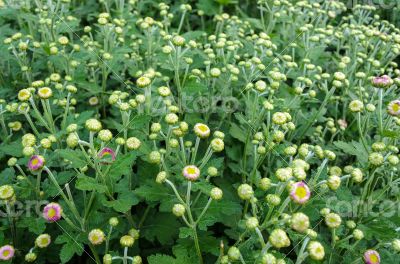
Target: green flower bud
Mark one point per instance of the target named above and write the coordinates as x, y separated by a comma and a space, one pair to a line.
178, 210
245, 191
234, 253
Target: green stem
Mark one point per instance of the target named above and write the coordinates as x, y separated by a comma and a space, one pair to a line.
96, 256
364, 142
380, 117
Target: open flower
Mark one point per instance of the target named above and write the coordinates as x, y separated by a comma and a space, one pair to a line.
36, 162
372, 257
191, 172
43, 240
24, 95
201, 130
106, 155
300, 193
52, 212
45, 93
96, 236
333, 220
6, 192
6, 252
394, 108
316, 250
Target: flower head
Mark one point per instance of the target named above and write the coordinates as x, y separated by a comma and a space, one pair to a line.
36, 162
279, 238
45, 92
372, 257
191, 172
356, 106
333, 220
127, 241
96, 236
24, 95
217, 145
300, 193
133, 143
245, 191
52, 212
106, 155
201, 130
93, 125
6, 252
43, 240
143, 81
382, 81
300, 222
316, 250
6, 192
394, 108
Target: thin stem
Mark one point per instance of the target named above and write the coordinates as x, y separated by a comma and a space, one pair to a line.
364, 142
204, 210
380, 117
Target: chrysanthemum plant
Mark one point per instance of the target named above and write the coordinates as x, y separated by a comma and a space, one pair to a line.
204, 132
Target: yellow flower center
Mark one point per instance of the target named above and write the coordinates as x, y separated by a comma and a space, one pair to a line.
395, 107
203, 128
51, 213
6, 253
35, 162
374, 258
301, 192
191, 170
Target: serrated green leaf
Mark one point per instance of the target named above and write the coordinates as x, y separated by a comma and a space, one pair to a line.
75, 157
85, 183
123, 203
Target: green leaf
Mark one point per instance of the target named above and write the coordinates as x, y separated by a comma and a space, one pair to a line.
210, 7
85, 183
353, 148
12, 149
185, 232
71, 246
194, 87
122, 165
161, 259
381, 229
7, 176
238, 133
68, 250
218, 212
75, 157
161, 226
36, 225
153, 192
124, 202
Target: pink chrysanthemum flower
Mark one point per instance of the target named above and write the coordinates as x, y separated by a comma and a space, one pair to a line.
382, 81
394, 108
191, 172
36, 162
372, 257
106, 155
52, 212
6, 252
300, 193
